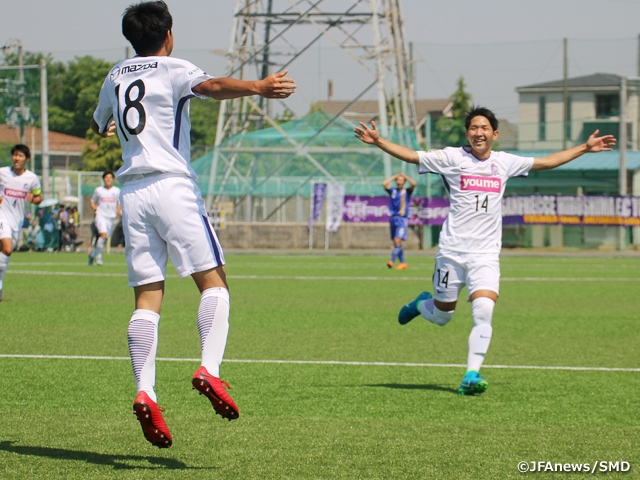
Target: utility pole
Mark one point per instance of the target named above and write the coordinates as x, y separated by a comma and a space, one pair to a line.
622, 149
565, 92
44, 120
21, 93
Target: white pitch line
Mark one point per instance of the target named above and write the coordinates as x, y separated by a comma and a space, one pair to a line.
335, 362
333, 278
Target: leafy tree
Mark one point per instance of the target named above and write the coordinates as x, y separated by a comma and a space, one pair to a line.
11, 88
204, 122
101, 154
451, 131
74, 100
461, 101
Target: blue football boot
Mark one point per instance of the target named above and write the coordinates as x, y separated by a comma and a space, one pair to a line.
410, 310
473, 384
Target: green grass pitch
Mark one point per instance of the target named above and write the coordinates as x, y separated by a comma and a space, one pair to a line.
368, 399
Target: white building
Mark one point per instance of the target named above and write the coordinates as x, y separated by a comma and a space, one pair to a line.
593, 101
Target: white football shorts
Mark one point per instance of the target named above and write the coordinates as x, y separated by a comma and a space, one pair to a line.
104, 224
164, 216
7, 232
454, 270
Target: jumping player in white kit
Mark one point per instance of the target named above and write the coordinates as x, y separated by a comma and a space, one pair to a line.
146, 99
17, 187
468, 251
106, 203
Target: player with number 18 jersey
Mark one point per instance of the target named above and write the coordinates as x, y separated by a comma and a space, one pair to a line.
147, 97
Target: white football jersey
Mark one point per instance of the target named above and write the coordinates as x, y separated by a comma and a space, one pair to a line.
107, 200
14, 190
148, 98
475, 188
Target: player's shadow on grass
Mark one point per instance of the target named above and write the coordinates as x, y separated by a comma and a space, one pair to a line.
404, 386
118, 462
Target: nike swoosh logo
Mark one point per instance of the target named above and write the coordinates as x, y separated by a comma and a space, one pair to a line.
482, 336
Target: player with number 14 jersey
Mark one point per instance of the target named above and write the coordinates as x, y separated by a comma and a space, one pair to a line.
476, 188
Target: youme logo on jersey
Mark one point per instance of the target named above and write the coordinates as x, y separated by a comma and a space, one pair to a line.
480, 184
10, 192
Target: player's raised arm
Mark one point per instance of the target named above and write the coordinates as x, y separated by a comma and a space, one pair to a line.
387, 182
594, 144
411, 181
276, 85
372, 137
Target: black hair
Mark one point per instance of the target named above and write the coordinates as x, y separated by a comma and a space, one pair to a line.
145, 25
108, 172
21, 148
481, 112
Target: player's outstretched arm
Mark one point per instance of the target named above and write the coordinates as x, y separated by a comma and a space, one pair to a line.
593, 144
276, 85
372, 137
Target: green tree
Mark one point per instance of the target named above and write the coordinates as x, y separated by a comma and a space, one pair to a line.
101, 154
74, 99
450, 131
10, 88
204, 122
461, 101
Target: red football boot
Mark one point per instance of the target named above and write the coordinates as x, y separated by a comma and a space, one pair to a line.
151, 421
214, 389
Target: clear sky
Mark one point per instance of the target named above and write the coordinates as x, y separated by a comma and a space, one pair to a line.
496, 45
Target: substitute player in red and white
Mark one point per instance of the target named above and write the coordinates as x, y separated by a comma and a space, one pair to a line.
105, 202
17, 187
146, 99
475, 178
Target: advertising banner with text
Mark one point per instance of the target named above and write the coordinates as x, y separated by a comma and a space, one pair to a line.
422, 210
570, 210
516, 210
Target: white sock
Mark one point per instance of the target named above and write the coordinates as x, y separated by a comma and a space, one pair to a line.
4, 264
480, 337
97, 252
432, 313
213, 326
143, 345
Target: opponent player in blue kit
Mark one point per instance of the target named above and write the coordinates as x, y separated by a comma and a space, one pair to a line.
399, 199
475, 177
146, 99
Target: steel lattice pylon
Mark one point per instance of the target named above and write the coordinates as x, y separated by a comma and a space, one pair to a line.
371, 32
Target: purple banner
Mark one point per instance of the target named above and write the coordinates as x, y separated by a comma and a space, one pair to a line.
319, 194
422, 210
516, 210
571, 210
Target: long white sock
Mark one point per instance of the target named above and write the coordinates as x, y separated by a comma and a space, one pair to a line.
4, 264
143, 345
432, 313
213, 326
480, 337
97, 252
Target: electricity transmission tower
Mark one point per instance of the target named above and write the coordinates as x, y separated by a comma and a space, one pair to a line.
272, 35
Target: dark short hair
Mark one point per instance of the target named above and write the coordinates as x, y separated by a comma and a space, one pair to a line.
108, 172
481, 112
145, 25
23, 149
